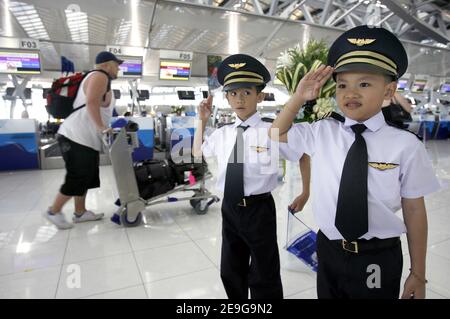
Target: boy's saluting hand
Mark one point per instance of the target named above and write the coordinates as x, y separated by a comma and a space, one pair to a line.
309, 86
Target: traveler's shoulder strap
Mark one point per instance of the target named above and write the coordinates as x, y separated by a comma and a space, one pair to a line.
104, 95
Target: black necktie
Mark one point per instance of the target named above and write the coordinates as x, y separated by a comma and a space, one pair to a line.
351, 213
234, 178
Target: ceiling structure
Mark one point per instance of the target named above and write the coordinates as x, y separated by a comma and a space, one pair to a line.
80, 29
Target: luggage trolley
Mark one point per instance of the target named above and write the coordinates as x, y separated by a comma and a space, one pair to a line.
129, 214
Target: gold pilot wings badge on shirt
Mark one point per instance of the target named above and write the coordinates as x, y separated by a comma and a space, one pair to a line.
360, 42
382, 166
236, 65
259, 149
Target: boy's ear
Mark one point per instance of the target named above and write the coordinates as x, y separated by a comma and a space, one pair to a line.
390, 90
261, 96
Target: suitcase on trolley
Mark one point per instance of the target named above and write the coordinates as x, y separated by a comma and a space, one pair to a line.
181, 171
153, 178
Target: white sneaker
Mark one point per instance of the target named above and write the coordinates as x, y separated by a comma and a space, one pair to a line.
58, 219
87, 217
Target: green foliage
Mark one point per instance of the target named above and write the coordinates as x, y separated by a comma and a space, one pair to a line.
295, 62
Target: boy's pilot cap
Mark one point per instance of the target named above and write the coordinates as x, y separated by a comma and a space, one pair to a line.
368, 49
241, 70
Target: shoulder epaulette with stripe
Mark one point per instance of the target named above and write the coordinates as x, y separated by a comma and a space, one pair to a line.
333, 115
402, 128
267, 119
223, 124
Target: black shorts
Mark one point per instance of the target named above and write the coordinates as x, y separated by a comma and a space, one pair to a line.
82, 167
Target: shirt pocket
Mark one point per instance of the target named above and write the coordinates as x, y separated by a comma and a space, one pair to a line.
262, 160
384, 182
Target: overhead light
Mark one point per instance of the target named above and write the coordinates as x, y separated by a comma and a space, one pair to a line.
78, 25
135, 32
123, 32
233, 33
29, 19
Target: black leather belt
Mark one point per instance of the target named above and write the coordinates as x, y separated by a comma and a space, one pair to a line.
249, 200
363, 245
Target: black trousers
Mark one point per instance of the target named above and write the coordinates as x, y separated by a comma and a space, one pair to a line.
373, 274
82, 167
250, 257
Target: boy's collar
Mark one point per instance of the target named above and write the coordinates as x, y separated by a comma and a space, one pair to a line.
251, 121
373, 124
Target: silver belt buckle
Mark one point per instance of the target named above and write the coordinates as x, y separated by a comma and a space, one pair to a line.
243, 203
354, 243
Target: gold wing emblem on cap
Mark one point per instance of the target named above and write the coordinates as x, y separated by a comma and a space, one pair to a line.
237, 65
360, 42
382, 166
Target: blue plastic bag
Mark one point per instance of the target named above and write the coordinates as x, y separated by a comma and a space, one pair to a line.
304, 247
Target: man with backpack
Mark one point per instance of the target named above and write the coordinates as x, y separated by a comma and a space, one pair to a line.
79, 138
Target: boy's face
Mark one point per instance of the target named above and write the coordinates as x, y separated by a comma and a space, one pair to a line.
243, 101
360, 95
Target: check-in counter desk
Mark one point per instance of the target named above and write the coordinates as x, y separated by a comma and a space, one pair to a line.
19, 140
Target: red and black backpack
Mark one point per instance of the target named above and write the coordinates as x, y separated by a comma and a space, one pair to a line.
63, 92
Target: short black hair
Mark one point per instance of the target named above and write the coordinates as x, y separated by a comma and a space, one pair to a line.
390, 78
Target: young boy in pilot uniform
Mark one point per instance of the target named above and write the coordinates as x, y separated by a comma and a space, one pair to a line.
364, 170
247, 173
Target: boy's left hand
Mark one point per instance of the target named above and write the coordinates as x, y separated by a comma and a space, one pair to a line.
299, 202
413, 288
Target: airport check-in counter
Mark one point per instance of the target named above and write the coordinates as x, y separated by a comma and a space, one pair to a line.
19, 140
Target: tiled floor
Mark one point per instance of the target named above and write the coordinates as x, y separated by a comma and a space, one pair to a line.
174, 255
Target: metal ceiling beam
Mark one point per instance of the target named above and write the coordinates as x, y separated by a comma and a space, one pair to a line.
349, 21
285, 4
307, 14
273, 7
441, 24
290, 10
332, 17
346, 13
425, 29
326, 11
257, 7
385, 19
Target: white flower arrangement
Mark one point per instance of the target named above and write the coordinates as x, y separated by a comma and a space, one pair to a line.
294, 63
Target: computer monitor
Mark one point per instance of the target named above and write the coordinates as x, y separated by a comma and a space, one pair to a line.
418, 86
117, 94
20, 62
445, 88
10, 91
269, 97
45, 92
143, 95
26, 92
131, 67
186, 95
402, 85
174, 70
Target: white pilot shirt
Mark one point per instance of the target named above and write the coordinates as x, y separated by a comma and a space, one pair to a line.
408, 172
261, 155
